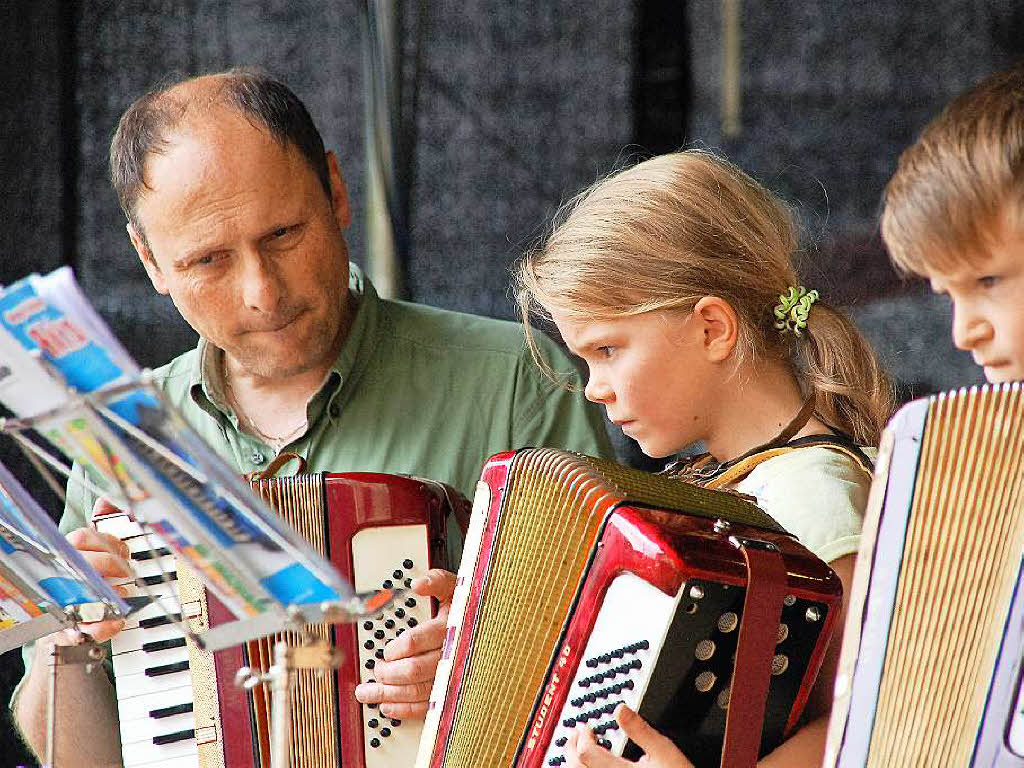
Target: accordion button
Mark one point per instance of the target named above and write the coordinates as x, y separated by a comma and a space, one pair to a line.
410, 603
379, 634
400, 613
643, 645
569, 722
396, 723
407, 564
385, 732
374, 742
613, 726
591, 663
408, 583
397, 574
561, 741
370, 664
380, 653
412, 622
368, 645
605, 743
618, 653
389, 624
373, 722
388, 584
367, 625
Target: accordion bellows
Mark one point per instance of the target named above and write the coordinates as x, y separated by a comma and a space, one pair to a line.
919, 681
521, 573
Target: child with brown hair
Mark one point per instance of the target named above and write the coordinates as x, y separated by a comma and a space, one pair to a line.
673, 281
954, 214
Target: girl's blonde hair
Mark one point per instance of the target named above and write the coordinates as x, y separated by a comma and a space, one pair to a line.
665, 233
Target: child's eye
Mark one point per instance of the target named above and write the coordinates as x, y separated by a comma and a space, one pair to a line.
988, 281
606, 351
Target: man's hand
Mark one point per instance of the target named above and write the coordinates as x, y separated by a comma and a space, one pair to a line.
582, 751
405, 677
109, 556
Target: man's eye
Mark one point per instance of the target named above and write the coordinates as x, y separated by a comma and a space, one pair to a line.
281, 231
988, 281
606, 351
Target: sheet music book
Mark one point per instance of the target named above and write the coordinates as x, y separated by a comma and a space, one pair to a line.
42, 577
92, 402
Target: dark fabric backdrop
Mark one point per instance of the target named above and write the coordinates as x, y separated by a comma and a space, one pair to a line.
520, 105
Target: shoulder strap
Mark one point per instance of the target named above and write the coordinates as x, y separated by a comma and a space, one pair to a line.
735, 471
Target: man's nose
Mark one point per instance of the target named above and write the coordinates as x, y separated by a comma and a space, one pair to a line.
970, 327
261, 285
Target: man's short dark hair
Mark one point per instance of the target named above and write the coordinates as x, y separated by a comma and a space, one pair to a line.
147, 125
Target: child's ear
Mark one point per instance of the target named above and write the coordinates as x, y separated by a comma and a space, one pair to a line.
719, 325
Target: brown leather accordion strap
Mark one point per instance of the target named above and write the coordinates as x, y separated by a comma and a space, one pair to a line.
755, 649
275, 466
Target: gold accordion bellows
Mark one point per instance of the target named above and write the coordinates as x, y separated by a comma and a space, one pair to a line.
936, 576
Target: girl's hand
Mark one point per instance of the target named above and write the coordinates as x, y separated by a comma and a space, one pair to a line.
582, 751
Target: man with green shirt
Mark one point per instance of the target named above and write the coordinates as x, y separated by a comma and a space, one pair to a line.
237, 213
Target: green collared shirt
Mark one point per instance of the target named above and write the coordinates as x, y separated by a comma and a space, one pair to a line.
415, 390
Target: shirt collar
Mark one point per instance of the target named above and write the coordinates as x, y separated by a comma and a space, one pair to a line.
206, 377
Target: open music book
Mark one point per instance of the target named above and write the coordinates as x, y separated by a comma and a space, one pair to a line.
44, 581
64, 374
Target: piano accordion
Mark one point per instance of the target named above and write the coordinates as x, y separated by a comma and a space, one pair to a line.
178, 705
584, 584
930, 672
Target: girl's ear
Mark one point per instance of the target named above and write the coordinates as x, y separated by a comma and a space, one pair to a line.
720, 326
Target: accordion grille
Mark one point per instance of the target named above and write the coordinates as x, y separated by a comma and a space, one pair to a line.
552, 514
299, 500
960, 567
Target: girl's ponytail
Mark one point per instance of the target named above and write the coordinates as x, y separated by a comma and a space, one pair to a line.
852, 392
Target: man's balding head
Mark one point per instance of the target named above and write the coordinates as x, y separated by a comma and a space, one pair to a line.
149, 125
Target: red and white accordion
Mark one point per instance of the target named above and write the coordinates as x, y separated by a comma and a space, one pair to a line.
585, 584
178, 705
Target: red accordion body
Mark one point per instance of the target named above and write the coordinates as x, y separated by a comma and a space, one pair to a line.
378, 530
667, 599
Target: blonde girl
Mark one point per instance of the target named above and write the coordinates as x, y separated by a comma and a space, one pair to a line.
673, 281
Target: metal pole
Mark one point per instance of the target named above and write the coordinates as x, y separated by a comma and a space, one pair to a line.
280, 721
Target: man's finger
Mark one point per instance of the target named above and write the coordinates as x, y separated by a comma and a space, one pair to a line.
658, 748
101, 631
107, 565
377, 693
91, 540
413, 711
435, 583
428, 636
104, 507
415, 669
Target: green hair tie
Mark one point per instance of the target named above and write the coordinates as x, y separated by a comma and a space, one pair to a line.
792, 310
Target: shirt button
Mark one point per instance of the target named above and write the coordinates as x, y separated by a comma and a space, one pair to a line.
257, 457
335, 411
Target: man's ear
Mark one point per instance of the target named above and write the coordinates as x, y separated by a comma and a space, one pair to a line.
339, 193
156, 277
719, 325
